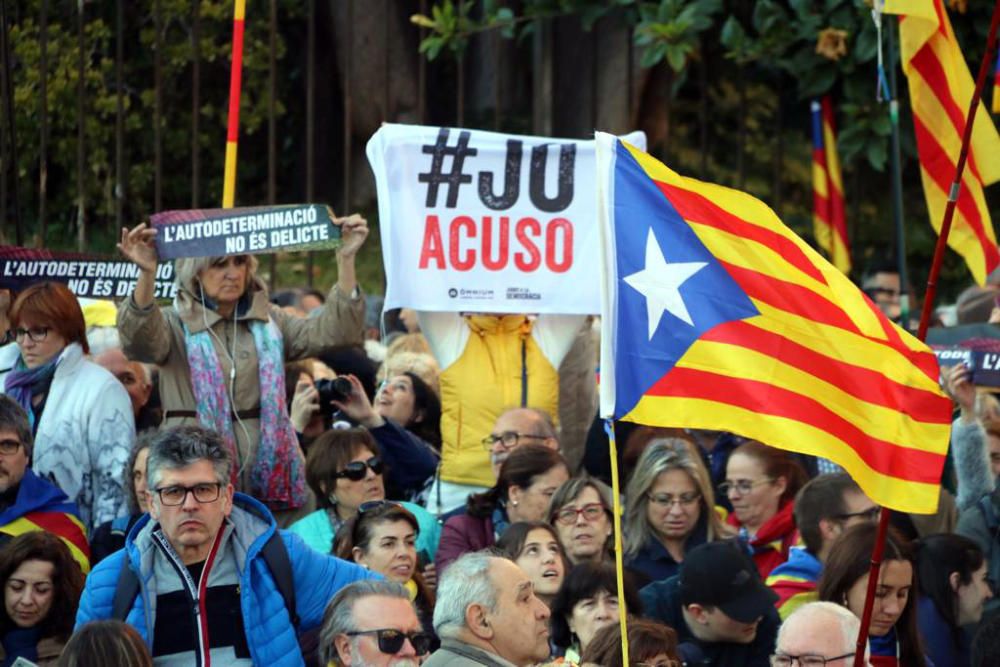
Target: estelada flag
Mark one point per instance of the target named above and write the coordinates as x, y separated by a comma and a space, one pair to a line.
829, 222
941, 89
717, 316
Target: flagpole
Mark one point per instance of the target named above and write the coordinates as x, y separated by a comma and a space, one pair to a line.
233, 129
897, 184
609, 428
925, 314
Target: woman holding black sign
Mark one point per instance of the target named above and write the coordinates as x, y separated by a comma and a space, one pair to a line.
222, 349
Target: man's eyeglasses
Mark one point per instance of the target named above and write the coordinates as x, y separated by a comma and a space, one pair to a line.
37, 334
391, 641
667, 500
808, 660
741, 486
206, 492
871, 514
591, 512
358, 470
508, 439
9, 447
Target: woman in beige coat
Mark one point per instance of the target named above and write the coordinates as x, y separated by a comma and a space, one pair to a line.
221, 350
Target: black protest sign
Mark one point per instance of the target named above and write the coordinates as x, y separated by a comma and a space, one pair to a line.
240, 231
85, 275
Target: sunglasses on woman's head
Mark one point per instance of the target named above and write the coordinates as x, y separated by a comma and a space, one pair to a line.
357, 470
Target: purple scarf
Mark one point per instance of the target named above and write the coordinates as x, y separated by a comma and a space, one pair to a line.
23, 383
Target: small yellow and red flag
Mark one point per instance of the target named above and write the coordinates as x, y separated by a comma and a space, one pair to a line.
940, 89
829, 222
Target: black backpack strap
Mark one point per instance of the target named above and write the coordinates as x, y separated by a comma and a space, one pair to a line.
276, 556
126, 590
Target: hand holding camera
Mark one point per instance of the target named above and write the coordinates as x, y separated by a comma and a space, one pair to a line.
346, 393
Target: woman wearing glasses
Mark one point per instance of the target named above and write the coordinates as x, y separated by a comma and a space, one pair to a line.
581, 513
670, 508
345, 470
761, 483
80, 413
221, 350
528, 479
382, 537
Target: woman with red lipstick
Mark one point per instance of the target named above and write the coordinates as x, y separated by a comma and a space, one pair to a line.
893, 636
761, 483
42, 585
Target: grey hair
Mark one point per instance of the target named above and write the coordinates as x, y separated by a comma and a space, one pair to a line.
182, 446
662, 455
466, 581
339, 615
186, 270
13, 418
849, 624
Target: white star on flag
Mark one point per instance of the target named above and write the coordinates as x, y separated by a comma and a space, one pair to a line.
660, 283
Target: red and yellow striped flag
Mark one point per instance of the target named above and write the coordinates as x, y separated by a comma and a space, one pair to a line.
941, 89
829, 223
717, 316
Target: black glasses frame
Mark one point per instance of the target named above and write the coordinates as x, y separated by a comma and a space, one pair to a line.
390, 640
189, 489
9, 447
785, 660
36, 334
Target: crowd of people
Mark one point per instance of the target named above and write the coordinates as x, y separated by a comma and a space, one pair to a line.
244, 478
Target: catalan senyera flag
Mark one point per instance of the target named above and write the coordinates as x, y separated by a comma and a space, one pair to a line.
829, 223
717, 316
941, 89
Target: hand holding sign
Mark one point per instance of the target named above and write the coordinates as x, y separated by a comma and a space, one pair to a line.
353, 232
139, 245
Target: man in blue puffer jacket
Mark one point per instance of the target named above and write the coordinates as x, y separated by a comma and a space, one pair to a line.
206, 593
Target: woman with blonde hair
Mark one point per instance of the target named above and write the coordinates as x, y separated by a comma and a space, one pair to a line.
222, 348
670, 508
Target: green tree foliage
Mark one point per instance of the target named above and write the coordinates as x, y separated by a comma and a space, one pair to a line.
100, 105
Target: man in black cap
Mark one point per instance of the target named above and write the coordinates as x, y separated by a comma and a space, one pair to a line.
722, 612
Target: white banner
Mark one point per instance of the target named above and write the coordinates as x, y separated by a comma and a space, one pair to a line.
486, 222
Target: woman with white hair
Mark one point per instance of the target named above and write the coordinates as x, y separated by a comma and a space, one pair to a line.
222, 349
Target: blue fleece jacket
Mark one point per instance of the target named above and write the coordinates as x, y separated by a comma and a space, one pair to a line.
270, 634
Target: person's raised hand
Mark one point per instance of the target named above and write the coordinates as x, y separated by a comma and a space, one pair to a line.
138, 245
353, 232
358, 407
958, 382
